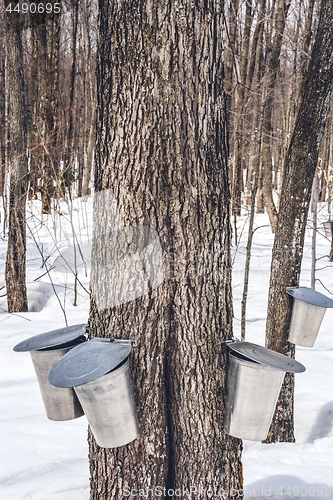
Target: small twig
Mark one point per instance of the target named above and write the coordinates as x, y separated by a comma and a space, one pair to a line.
248, 320
331, 293
260, 227
39, 277
15, 314
49, 275
238, 243
321, 268
57, 249
323, 257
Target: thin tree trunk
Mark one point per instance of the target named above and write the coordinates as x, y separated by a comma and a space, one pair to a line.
33, 90
69, 159
314, 231
230, 55
331, 251
267, 129
239, 121
256, 45
300, 166
91, 140
36, 86
253, 80
90, 149
2, 112
161, 146
307, 35
18, 166
50, 85
248, 251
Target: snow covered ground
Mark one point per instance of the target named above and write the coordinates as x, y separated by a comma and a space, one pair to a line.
45, 460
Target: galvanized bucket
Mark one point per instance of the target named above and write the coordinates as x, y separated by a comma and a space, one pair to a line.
45, 350
99, 372
114, 422
255, 376
308, 311
328, 226
60, 404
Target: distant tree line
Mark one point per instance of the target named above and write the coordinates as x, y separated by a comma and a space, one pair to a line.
58, 58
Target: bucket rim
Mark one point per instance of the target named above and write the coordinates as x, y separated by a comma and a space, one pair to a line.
310, 296
89, 361
268, 357
52, 338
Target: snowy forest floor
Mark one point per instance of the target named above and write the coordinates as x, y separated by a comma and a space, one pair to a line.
45, 460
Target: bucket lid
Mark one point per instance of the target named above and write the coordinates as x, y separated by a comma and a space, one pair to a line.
89, 361
52, 339
267, 357
309, 296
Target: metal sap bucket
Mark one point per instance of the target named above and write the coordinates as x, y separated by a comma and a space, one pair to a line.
328, 226
255, 376
309, 308
45, 350
99, 372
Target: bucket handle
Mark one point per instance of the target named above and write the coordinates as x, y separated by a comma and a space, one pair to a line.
112, 339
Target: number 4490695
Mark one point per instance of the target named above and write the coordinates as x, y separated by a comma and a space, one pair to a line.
35, 8
305, 491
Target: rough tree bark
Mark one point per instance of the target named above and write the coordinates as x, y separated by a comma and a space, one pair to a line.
18, 168
299, 170
2, 112
161, 147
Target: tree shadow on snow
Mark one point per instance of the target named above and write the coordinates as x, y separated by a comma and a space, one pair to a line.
38, 295
323, 424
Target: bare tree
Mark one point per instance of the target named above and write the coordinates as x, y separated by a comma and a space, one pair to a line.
267, 129
69, 156
18, 168
299, 170
239, 111
44, 101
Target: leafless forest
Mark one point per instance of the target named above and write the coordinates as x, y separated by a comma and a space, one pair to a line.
267, 51
57, 137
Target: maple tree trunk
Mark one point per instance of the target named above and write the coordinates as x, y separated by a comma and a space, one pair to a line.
161, 147
299, 170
